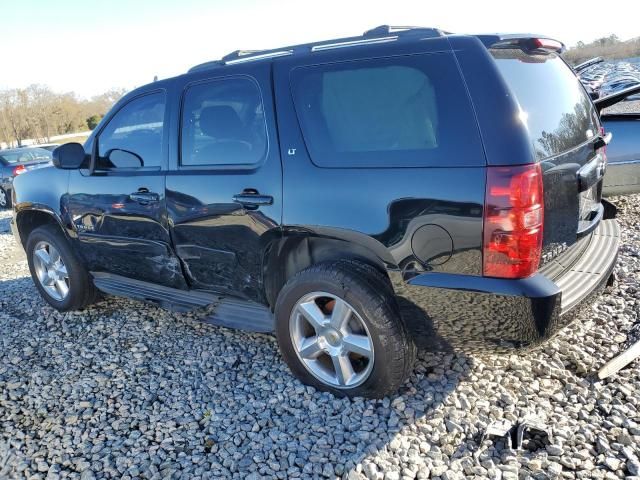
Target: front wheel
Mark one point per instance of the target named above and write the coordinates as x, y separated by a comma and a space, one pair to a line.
339, 329
57, 272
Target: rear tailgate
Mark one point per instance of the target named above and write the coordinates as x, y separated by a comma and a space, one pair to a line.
565, 135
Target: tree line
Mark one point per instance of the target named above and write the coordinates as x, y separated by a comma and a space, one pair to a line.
36, 112
609, 48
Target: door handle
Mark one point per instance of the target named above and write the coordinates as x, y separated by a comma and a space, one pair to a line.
144, 197
252, 199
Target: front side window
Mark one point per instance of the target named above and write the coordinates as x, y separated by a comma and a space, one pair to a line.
223, 123
133, 137
399, 111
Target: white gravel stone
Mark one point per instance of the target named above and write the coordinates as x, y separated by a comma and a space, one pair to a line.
128, 390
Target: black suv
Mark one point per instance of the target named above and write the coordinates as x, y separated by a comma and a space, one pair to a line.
361, 197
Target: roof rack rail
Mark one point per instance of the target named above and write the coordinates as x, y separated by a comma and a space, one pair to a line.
234, 58
380, 34
239, 54
401, 30
352, 43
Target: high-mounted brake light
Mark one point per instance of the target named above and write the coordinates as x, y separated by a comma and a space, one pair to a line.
513, 221
527, 43
548, 44
18, 170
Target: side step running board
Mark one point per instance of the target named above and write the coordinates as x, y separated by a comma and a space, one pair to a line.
226, 311
248, 316
167, 297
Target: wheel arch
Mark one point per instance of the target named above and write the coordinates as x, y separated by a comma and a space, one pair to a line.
28, 219
298, 249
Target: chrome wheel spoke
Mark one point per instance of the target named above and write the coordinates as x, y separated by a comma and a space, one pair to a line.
312, 313
359, 344
54, 256
43, 257
62, 270
344, 369
50, 271
340, 315
62, 288
310, 348
331, 340
43, 275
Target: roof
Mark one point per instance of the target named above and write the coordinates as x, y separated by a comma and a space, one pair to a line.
381, 34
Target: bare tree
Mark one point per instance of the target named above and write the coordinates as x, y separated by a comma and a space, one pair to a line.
39, 113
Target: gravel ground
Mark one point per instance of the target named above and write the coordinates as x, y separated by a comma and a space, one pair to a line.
127, 390
632, 106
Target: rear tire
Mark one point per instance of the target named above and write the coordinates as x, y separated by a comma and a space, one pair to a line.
57, 272
340, 330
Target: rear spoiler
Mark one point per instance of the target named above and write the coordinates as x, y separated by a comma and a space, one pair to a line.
587, 64
528, 42
609, 100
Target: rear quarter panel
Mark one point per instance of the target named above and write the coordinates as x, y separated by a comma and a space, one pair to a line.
382, 209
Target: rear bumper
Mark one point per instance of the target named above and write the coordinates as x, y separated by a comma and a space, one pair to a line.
447, 311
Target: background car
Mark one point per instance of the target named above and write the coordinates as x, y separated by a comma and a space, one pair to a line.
615, 88
16, 161
49, 146
620, 115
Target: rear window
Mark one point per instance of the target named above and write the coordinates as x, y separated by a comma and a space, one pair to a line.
25, 155
555, 107
400, 111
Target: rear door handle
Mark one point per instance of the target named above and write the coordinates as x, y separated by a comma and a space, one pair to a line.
252, 200
144, 198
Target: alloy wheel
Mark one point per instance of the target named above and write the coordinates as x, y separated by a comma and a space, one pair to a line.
51, 271
331, 340
3, 198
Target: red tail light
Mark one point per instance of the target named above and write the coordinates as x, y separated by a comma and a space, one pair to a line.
18, 170
513, 221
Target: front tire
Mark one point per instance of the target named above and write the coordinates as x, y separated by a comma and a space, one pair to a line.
58, 274
339, 330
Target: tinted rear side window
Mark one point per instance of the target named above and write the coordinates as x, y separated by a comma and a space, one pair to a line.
406, 111
557, 111
223, 123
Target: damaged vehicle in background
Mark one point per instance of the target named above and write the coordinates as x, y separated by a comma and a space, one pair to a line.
623, 152
615, 88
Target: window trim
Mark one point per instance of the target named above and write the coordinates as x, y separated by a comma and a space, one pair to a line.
225, 166
95, 146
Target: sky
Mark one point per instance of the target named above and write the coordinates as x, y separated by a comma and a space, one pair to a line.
92, 46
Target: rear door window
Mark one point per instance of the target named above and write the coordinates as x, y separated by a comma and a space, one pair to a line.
405, 111
555, 107
223, 123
